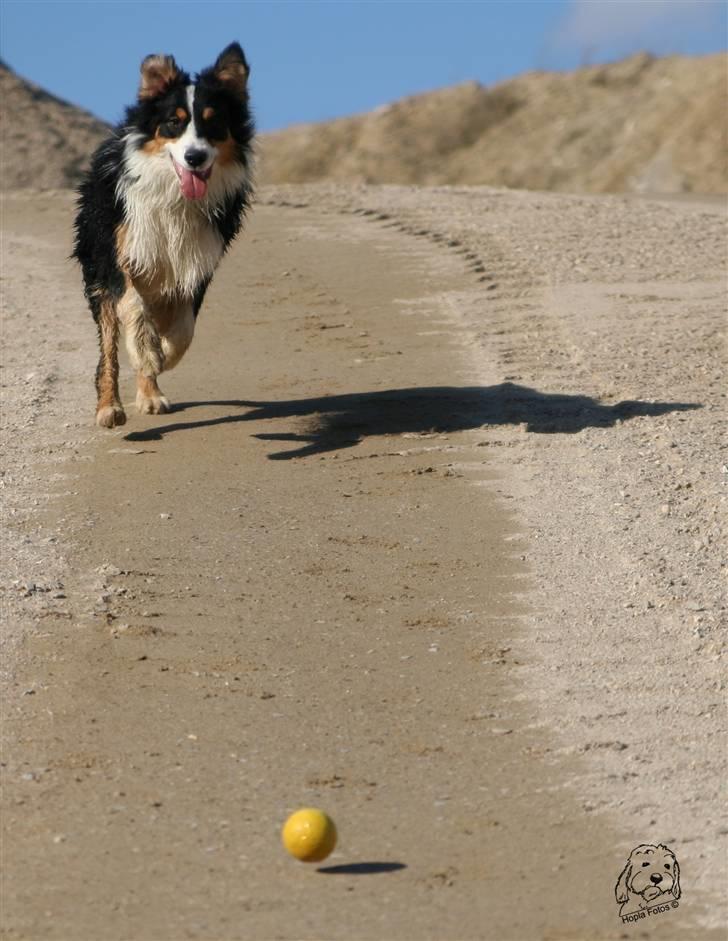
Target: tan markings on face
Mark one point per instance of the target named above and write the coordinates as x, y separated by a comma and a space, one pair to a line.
156, 145
208, 113
226, 151
181, 114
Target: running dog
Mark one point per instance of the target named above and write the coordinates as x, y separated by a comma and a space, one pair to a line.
163, 199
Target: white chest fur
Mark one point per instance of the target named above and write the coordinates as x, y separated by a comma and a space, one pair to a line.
171, 240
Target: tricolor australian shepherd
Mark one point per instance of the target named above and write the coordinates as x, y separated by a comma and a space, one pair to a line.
164, 197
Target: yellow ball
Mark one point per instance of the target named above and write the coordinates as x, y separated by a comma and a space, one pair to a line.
309, 834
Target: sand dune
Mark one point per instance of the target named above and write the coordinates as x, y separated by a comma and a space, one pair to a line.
45, 141
640, 125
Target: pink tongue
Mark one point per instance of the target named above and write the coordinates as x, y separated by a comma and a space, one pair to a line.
192, 186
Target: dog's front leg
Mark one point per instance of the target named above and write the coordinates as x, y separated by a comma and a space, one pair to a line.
145, 351
149, 398
109, 410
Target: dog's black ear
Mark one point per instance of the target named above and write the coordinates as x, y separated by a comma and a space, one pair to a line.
232, 70
621, 889
158, 71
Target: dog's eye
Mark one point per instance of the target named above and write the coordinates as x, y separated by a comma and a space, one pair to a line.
172, 127
667, 865
645, 864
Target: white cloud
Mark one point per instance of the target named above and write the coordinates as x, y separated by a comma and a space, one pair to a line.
594, 24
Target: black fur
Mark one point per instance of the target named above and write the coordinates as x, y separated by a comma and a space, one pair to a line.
152, 142
100, 211
99, 215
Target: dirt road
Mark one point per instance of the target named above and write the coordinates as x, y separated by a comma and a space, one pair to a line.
317, 582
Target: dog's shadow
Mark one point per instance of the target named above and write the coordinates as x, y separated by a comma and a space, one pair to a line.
342, 421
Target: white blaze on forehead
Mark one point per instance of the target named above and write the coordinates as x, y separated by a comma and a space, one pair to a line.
191, 138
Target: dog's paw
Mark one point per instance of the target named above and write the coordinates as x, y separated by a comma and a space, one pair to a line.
152, 404
109, 416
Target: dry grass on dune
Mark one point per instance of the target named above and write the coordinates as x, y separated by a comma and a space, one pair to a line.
642, 124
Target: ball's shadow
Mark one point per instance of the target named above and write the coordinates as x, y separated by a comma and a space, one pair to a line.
360, 869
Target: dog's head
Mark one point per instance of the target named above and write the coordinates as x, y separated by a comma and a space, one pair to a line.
650, 871
191, 129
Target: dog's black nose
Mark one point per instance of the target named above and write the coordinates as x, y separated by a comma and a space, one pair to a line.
656, 878
195, 157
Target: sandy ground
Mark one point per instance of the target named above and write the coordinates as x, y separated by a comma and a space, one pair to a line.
431, 539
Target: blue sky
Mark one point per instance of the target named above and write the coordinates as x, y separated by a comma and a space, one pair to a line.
316, 60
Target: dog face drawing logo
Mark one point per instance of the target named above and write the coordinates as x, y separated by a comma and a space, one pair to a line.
651, 877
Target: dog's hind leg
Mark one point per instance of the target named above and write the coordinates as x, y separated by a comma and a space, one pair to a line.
109, 410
